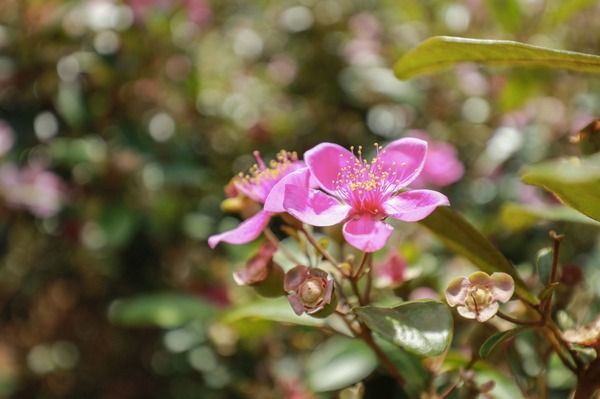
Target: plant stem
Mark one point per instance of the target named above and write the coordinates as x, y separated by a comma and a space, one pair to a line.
275, 241
520, 322
311, 238
365, 334
547, 304
557, 348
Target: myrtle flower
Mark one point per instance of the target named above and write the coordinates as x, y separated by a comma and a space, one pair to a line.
309, 290
34, 188
442, 166
362, 194
260, 185
588, 335
477, 297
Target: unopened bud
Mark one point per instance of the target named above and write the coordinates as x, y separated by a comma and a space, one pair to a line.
262, 273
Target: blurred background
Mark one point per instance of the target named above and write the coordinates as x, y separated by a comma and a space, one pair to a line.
121, 122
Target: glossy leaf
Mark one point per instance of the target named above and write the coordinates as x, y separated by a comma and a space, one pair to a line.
575, 181
440, 52
421, 327
162, 309
464, 239
496, 339
277, 309
518, 217
338, 363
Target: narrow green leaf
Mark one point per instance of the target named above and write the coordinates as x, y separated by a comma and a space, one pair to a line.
421, 327
277, 309
464, 239
576, 181
163, 309
519, 217
338, 363
440, 52
496, 339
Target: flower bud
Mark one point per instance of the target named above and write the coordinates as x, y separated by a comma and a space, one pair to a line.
477, 297
262, 273
310, 291
391, 272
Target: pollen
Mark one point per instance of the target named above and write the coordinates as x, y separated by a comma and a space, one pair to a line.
260, 171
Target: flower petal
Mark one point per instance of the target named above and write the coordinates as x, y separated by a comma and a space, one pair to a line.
313, 206
274, 201
481, 279
457, 291
296, 304
414, 205
406, 157
294, 278
466, 312
487, 312
325, 162
367, 233
247, 231
504, 286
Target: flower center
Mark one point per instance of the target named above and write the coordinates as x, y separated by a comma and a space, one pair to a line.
365, 184
260, 178
478, 298
311, 291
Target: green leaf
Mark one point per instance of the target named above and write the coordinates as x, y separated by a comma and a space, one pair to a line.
576, 181
416, 376
518, 217
163, 309
508, 13
338, 363
421, 327
277, 309
440, 52
494, 340
543, 263
464, 239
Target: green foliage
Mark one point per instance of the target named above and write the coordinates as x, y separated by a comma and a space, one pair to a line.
496, 339
576, 181
163, 309
277, 309
421, 327
464, 239
338, 363
517, 217
440, 52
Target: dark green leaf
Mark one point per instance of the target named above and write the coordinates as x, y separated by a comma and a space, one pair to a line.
461, 237
420, 327
440, 52
575, 181
338, 363
277, 309
543, 263
162, 309
518, 217
416, 376
493, 341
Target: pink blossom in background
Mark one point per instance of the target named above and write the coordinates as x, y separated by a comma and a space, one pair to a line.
442, 166
7, 138
260, 185
391, 272
423, 293
362, 194
34, 188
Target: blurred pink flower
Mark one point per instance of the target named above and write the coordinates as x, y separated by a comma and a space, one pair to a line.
7, 138
360, 193
477, 297
442, 166
260, 185
391, 272
33, 188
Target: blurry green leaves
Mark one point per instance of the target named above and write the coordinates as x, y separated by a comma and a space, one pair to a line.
278, 310
164, 309
464, 239
518, 217
421, 327
440, 52
496, 339
575, 181
338, 363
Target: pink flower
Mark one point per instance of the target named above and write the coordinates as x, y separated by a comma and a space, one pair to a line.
360, 193
33, 188
442, 166
390, 273
477, 297
260, 185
